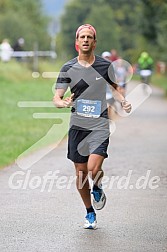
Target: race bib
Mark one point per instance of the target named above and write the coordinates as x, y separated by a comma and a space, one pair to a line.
89, 108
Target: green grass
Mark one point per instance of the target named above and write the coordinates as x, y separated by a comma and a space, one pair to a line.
159, 80
18, 129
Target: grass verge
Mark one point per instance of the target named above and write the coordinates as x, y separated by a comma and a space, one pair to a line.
158, 80
18, 129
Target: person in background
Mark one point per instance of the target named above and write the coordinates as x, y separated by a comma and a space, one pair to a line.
114, 55
106, 55
6, 51
121, 73
145, 65
18, 47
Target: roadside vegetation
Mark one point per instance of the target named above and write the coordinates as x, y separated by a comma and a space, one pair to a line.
18, 129
157, 79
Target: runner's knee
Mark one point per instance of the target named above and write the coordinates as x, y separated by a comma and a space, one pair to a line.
95, 171
81, 170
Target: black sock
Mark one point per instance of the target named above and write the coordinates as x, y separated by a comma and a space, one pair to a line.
90, 210
96, 188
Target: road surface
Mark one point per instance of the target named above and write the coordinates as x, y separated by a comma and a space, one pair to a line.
43, 217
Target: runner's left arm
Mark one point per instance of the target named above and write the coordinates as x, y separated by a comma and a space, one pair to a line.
117, 95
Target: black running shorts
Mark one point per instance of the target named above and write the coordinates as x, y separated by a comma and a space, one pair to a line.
82, 143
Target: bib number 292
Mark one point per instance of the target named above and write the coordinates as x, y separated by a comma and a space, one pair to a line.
87, 108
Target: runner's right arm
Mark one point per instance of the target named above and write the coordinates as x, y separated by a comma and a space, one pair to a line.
61, 87
58, 100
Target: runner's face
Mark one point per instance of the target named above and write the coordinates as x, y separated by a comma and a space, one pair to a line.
85, 41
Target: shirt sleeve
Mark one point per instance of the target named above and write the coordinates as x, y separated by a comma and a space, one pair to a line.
63, 79
111, 78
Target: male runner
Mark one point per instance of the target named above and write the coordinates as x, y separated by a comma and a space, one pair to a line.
88, 136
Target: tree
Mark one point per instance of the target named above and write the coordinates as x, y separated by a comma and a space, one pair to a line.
116, 23
24, 18
149, 20
154, 27
162, 35
131, 26
107, 29
74, 15
98, 14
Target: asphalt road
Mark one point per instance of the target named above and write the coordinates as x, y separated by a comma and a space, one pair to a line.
42, 217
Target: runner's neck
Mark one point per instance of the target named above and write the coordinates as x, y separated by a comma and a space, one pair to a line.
86, 60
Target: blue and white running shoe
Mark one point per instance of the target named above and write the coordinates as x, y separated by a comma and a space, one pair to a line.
99, 199
90, 222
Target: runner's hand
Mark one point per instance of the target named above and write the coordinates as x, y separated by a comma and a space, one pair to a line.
126, 106
67, 102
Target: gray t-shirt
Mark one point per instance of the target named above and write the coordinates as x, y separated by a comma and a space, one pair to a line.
89, 110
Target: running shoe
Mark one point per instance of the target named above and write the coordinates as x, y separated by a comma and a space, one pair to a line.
90, 222
99, 199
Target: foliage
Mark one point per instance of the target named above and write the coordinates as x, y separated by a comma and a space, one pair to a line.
73, 17
154, 27
24, 18
130, 26
162, 35
106, 38
115, 22
127, 17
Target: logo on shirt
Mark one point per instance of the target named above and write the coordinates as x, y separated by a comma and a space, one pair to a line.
98, 78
